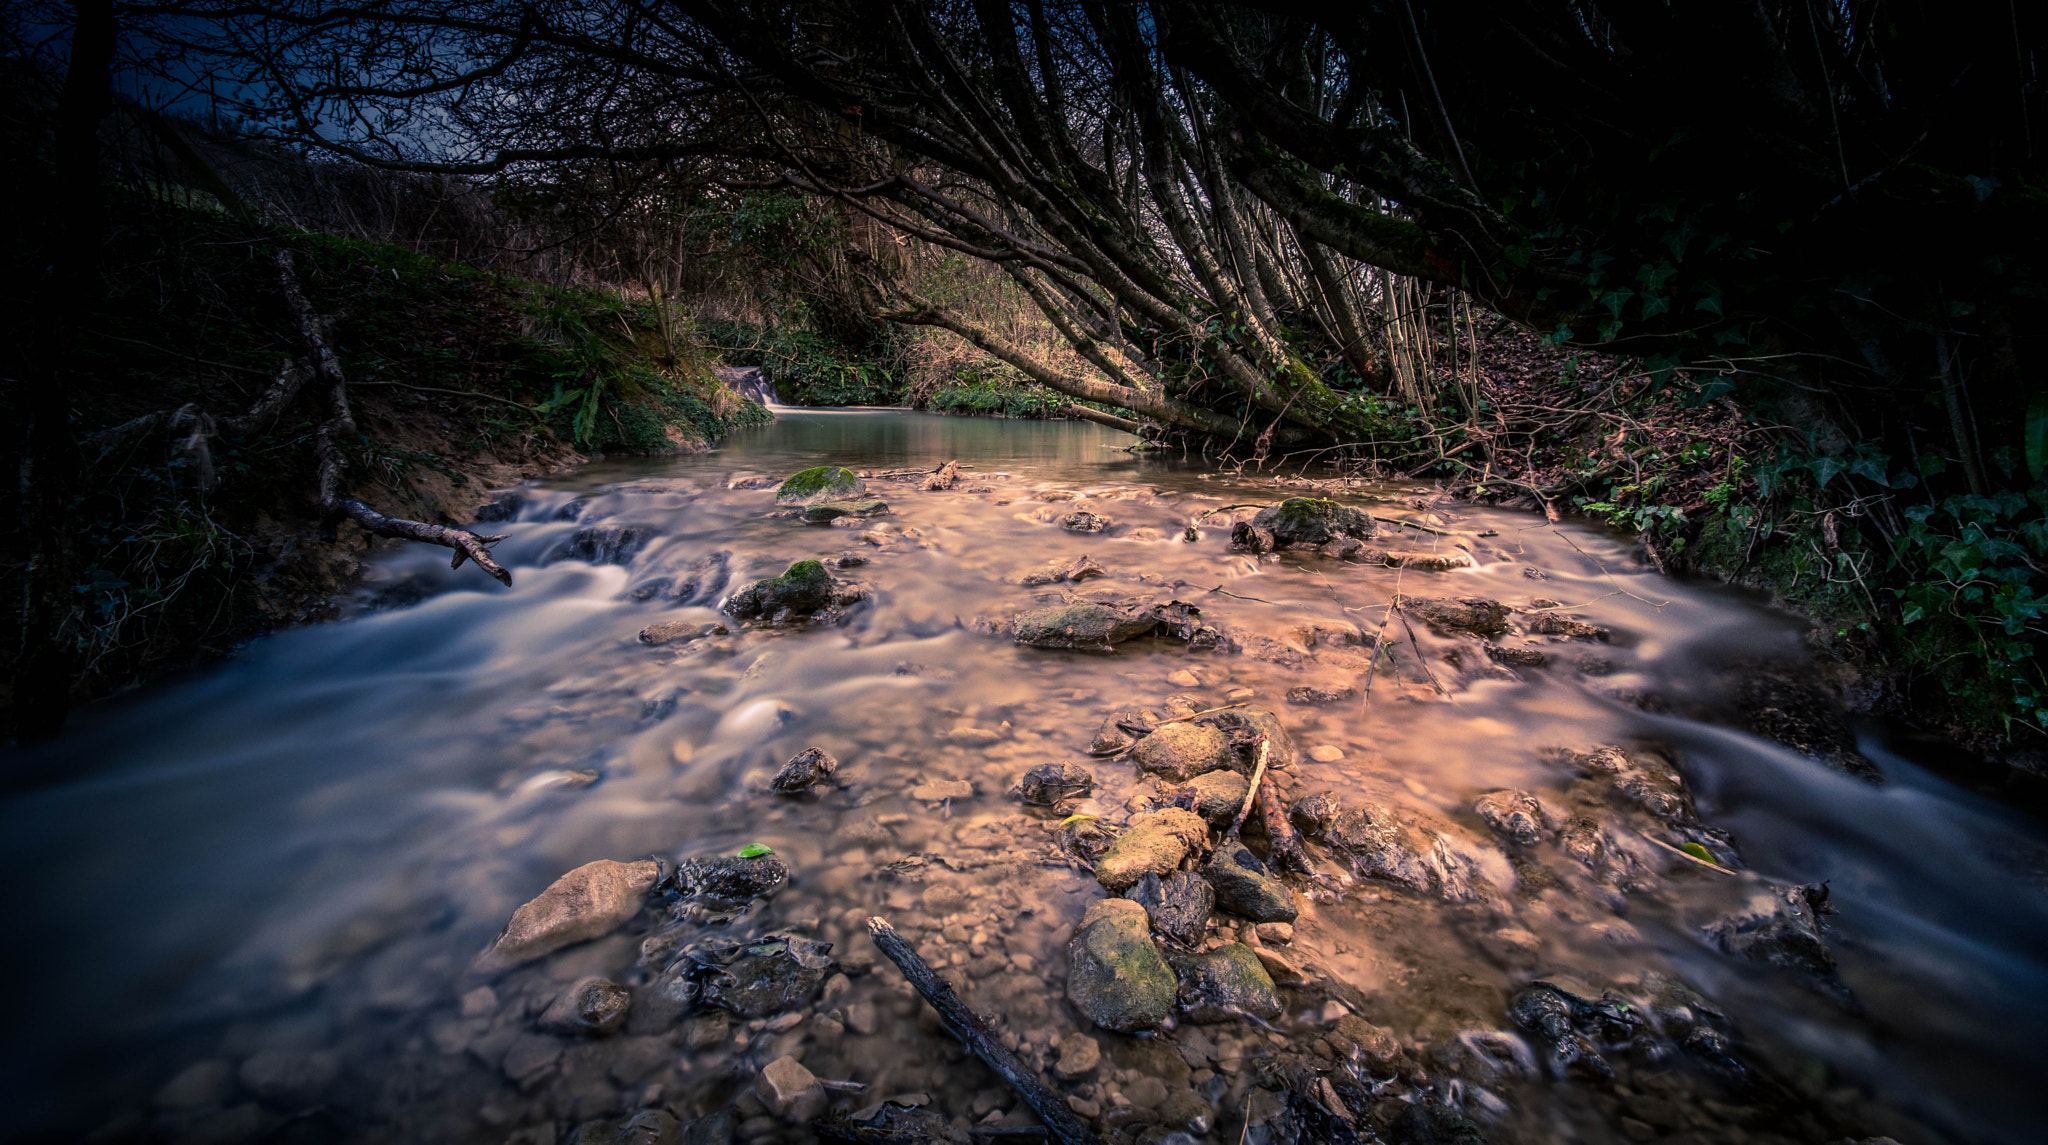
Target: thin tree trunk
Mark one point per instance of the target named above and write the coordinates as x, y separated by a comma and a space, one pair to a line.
48, 466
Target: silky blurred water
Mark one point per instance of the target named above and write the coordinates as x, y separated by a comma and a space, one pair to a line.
303, 848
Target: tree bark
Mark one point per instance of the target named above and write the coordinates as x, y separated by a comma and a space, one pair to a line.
48, 468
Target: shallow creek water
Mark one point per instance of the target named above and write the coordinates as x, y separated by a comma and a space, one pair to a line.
292, 859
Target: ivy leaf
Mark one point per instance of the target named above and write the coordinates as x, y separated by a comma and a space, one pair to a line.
2037, 437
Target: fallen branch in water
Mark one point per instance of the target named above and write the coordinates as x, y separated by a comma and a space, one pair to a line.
973, 1032
1411, 525
340, 424
943, 477
1283, 847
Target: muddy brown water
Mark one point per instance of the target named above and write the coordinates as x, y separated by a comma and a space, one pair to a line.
249, 907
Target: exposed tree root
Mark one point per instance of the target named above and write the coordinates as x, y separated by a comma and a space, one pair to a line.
333, 464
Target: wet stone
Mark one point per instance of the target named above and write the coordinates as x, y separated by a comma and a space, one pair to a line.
1050, 784
1155, 842
1781, 927
1227, 983
803, 587
804, 771
1318, 695
1178, 904
836, 512
592, 900
603, 544
1217, 796
1551, 624
1516, 816
1054, 572
1516, 657
790, 1091
647, 1127
1080, 627
1116, 974
1369, 837
820, 484
1244, 888
1079, 1056
1178, 752
731, 882
1082, 521
1120, 730
679, 632
1468, 615
1312, 521
758, 979
1799, 714
591, 1006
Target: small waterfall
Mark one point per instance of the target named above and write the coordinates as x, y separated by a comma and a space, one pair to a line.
752, 383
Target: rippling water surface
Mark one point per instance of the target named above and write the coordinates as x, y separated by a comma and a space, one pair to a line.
299, 853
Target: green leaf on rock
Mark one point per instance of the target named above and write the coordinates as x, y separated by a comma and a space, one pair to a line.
756, 850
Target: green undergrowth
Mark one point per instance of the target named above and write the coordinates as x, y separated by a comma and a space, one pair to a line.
809, 369
458, 378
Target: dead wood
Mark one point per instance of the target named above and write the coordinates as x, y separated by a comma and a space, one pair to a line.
974, 1032
1111, 420
943, 477
333, 462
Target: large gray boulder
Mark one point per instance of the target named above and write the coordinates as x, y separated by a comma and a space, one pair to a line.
1116, 975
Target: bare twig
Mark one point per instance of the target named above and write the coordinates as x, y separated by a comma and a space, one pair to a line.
1251, 794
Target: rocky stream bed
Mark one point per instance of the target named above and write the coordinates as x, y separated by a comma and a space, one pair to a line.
1243, 807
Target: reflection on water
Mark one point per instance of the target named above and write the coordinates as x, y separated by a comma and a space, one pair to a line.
251, 907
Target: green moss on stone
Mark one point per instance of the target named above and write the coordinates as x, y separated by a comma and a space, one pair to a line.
820, 483
1313, 521
804, 587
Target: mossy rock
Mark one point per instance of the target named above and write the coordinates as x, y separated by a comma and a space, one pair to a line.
1082, 627
1313, 521
1155, 843
1116, 974
821, 483
826, 512
1179, 752
1243, 887
1226, 983
804, 587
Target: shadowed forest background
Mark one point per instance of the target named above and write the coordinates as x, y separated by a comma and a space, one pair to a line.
1758, 283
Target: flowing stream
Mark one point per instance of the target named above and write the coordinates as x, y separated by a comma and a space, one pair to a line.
245, 906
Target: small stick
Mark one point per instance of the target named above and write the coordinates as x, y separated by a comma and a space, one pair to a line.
1419, 657
973, 1032
1227, 592
1398, 522
1251, 795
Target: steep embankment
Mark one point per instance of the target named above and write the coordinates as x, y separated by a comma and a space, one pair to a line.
197, 537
